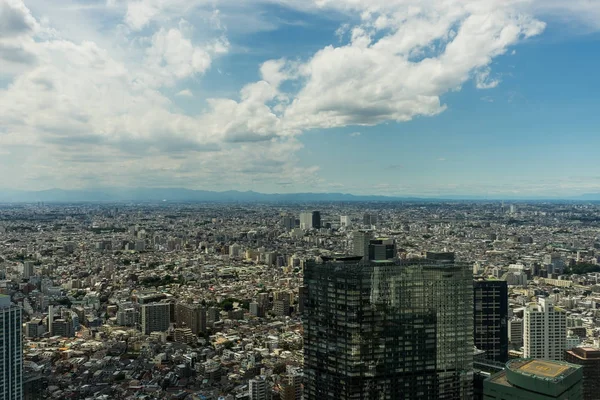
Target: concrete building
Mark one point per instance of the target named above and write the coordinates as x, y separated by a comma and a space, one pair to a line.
526, 379
11, 350
155, 317
544, 331
589, 359
515, 332
310, 220
345, 221
258, 389
192, 316
360, 243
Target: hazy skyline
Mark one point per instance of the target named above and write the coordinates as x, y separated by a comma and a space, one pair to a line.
391, 97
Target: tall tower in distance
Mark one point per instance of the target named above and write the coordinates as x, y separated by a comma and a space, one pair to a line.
544, 331
387, 329
490, 318
11, 345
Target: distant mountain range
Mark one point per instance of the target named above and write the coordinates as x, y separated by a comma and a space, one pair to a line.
188, 195
174, 195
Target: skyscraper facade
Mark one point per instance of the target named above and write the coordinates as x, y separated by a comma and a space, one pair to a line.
388, 329
360, 244
490, 318
544, 331
11, 347
310, 220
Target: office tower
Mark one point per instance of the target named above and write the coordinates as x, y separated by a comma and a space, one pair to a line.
393, 329
360, 244
369, 220
490, 318
258, 389
526, 379
382, 249
191, 316
310, 220
155, 317
288, 222
515, 332
28, 269
345, 221
589, 359
316, 220
544, 331
11, 347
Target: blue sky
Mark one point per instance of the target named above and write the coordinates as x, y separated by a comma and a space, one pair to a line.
395, 97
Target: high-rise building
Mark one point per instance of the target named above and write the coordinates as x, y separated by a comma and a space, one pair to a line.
544, 331
288, 222
382, 249
310, 220
28, 269
387, 330
369, 219
155, 317
515, 332
258, 389
360, 244
11, 350
490, 318
589, 359
527, 379
191, 316
345, 221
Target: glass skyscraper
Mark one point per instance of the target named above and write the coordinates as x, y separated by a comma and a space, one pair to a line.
388, 329
11, 348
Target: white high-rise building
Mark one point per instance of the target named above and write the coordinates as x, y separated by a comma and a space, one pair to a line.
544, 331
306, 221
258, 389
11, 348
345, 221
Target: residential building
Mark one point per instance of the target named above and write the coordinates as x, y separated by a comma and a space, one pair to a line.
191, 316
155, 317
544, 331
258, 389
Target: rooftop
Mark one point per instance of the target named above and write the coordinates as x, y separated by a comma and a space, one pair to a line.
541, 369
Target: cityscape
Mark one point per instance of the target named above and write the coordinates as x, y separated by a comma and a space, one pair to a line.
299, 200
399, 300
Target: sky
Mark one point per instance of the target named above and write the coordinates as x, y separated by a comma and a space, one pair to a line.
390, 97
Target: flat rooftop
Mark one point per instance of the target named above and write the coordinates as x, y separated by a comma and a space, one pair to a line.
543, 369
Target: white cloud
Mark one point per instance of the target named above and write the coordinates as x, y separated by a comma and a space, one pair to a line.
101, 112
354, 134
185, 93
483, 80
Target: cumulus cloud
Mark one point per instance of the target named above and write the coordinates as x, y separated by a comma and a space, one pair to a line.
15, 19
105, 113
